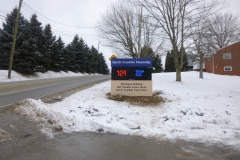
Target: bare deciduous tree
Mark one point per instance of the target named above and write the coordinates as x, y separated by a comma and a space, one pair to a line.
200, 46
176, 18
212, 34
223, 30
119, 28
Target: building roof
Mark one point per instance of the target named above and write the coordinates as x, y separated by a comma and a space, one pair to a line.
228, 46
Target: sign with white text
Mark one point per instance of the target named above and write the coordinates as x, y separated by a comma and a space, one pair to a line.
131, 88
131, 62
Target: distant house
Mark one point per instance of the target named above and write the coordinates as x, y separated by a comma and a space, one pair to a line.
190, 63
196, 65
193, 63
226, 61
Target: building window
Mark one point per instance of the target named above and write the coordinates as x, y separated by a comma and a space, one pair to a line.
227, 56
227, 68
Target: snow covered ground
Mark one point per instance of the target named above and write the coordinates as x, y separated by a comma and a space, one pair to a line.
206, 110
17, 77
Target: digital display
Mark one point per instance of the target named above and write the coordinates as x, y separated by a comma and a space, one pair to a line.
139, 73
131, 73
122, 72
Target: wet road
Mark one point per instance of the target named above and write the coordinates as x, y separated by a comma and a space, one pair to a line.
28, 143
11, 92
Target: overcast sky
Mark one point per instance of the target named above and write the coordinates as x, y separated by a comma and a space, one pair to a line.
83, 14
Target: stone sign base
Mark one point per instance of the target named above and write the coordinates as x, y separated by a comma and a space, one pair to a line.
131, 87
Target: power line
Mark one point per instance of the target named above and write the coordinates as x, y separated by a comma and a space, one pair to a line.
54, 20
3, 10
85, 32
13, 2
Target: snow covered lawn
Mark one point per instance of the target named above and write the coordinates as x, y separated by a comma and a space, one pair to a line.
205, 110
50, 74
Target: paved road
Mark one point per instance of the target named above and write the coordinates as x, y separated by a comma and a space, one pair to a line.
11, 92
28, 143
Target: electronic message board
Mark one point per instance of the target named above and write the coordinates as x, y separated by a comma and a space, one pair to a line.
131, 73
131, 77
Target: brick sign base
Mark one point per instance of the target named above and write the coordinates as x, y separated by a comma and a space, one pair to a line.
131, 88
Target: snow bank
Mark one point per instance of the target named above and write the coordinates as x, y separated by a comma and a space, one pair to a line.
205, 110
50, 74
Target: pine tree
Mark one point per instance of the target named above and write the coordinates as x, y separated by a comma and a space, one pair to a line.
94, 53
6, 38
60, 57
51, 57
23, 62
71, 66
157, 64
102, 67
82, 56
36, 42
147, 52
169, 63
37, 50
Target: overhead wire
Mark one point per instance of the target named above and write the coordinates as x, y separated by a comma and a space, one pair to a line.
58, 28
54, 20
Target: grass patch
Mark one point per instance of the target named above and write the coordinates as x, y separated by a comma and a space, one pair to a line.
153, 100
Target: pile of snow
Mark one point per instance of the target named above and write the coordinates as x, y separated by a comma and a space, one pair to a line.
50, 74
205, 110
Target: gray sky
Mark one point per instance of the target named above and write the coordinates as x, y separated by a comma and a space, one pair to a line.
79, 13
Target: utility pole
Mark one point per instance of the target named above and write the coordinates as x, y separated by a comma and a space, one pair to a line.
97, 56
14, 39
139, 33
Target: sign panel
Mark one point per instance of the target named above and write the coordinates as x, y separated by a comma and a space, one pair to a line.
131, 73
131, 88
131, 62
113, 56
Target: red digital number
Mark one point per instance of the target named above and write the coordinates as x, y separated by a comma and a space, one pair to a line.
122, 73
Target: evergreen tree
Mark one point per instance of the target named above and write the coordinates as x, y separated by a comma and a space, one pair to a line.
36, 42
82, 57
6, 38
59, 60
79, 51
102, 67
37, 50
169, 63
23, 62
75, 49
94, 53
71, 66
52, 58
147, 52
157, 64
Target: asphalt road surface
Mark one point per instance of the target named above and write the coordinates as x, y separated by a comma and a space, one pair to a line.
11, 92
28, 143
21, 139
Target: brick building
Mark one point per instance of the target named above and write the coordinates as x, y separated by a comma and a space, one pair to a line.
225, 61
